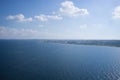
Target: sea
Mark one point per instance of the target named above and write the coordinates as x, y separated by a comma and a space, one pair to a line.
41, 60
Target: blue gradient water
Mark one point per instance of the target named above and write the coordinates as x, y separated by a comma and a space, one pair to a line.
37, 60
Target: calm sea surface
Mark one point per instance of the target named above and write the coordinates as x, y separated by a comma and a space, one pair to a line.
38, 60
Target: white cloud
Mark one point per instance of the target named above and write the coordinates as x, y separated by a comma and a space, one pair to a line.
43, 17
116, 13
69, 9
54, 17
19, 18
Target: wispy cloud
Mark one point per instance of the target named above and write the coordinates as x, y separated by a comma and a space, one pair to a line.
116, 13
43, 17
19, 18
40, 26
69, 9
15, 33
6, 32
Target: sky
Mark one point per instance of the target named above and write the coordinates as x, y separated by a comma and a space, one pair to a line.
59, 19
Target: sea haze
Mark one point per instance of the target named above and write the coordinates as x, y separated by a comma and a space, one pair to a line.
47, 60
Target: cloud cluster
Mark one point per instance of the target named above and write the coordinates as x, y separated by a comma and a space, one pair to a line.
116, 13
43, 17
69, 9
19, 18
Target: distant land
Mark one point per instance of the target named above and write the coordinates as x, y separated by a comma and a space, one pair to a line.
111, 43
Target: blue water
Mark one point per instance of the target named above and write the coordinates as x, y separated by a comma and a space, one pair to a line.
38, 60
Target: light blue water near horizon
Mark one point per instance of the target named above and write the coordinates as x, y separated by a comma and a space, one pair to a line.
38, 60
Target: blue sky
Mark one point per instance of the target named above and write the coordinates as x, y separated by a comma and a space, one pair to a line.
60, 19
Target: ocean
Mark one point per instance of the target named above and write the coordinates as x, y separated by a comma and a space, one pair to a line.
41, 60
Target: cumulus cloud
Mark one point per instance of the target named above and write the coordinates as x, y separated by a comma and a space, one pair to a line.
19, 18
43, 17
69, 9
116, 13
